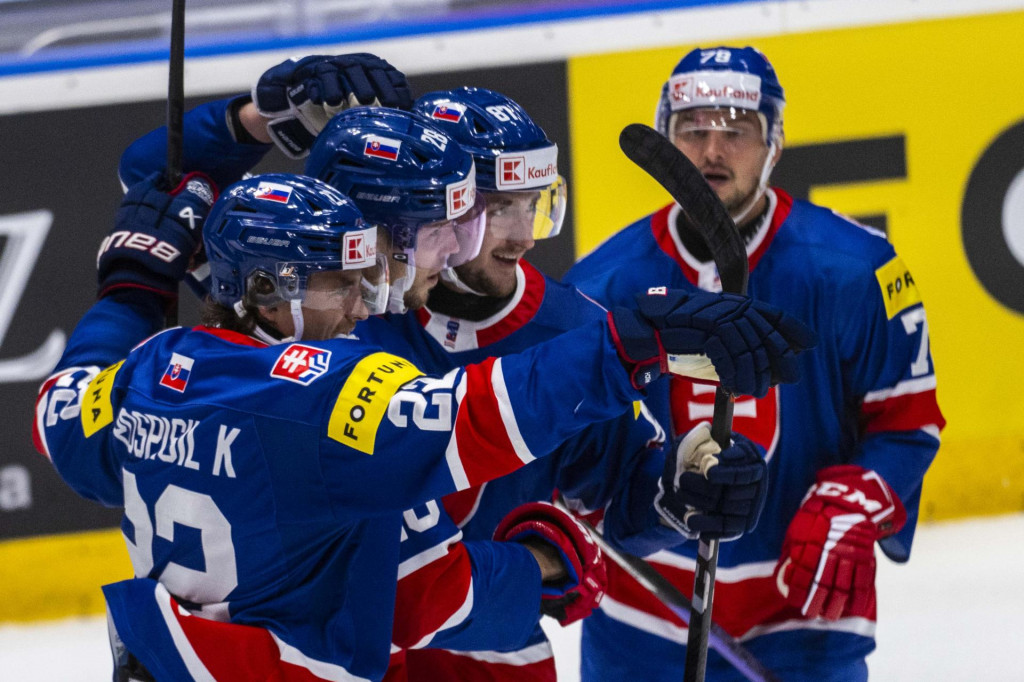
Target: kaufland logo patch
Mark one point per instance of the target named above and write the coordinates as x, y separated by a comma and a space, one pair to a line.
177, 373
461, 195
359, 249
714, 88
526, 170
513, 170
681, 89
301, 364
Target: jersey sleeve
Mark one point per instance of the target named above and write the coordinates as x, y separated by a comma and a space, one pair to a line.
208, 146
415, 437
461, 595
884, 345
74, 407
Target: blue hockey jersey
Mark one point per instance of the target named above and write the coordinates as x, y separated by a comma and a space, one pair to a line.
611, 468
265, 485
866, 396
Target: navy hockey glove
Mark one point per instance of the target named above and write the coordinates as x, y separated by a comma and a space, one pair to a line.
300, 96
712, 493
752, 345
581, 591
155, 236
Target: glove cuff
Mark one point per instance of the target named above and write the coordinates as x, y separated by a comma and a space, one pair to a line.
638, 345
291, 136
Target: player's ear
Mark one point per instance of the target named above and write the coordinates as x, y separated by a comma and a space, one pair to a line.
277, 316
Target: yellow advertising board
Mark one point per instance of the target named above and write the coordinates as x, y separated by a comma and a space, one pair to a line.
951, 90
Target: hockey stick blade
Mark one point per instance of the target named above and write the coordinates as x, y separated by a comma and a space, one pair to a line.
659, 158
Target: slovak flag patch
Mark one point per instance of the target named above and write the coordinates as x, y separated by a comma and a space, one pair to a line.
301, 364
382, 147
272, 191
177, 373
448, 111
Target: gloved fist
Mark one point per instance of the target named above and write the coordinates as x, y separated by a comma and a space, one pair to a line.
827, 567
712, 493
577, 595
155, 236
300, 96
752, 345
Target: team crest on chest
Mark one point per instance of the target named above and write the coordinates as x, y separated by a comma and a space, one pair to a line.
301, 364
755, 418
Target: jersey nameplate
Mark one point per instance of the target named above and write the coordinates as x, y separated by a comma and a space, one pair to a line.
97, 410
364, 399
898, 289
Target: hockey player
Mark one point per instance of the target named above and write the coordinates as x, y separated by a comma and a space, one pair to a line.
498, 304
263, 475
509, 322
847, 447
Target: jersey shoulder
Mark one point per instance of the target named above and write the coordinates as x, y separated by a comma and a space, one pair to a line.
221, 369
836, 237
610, 274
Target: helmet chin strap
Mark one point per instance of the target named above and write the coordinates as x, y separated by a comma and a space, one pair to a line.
298, 321
396, 292
450, 276
762, 185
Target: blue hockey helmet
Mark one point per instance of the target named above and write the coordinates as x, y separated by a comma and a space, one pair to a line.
511, 152
404, 174
266, 235
724, 77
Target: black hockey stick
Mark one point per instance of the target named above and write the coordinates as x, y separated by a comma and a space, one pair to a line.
175, 114
660, 159
664, 591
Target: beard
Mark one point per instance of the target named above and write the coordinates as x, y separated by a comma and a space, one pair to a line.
493, 285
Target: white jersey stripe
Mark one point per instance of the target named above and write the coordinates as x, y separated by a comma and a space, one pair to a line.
535, 653
427, 556
188, 655
641, 620
508, 416
733, 574
909, 387
328, 671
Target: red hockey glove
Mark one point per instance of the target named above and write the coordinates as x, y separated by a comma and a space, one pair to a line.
827, 567
577, 595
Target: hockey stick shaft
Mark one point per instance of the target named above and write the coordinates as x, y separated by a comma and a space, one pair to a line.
660, 159
175, 94
175, 114
664, 591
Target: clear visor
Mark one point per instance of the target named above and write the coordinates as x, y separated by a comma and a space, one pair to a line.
526, 214
323, 286
449, 243
737, 128
351, 291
